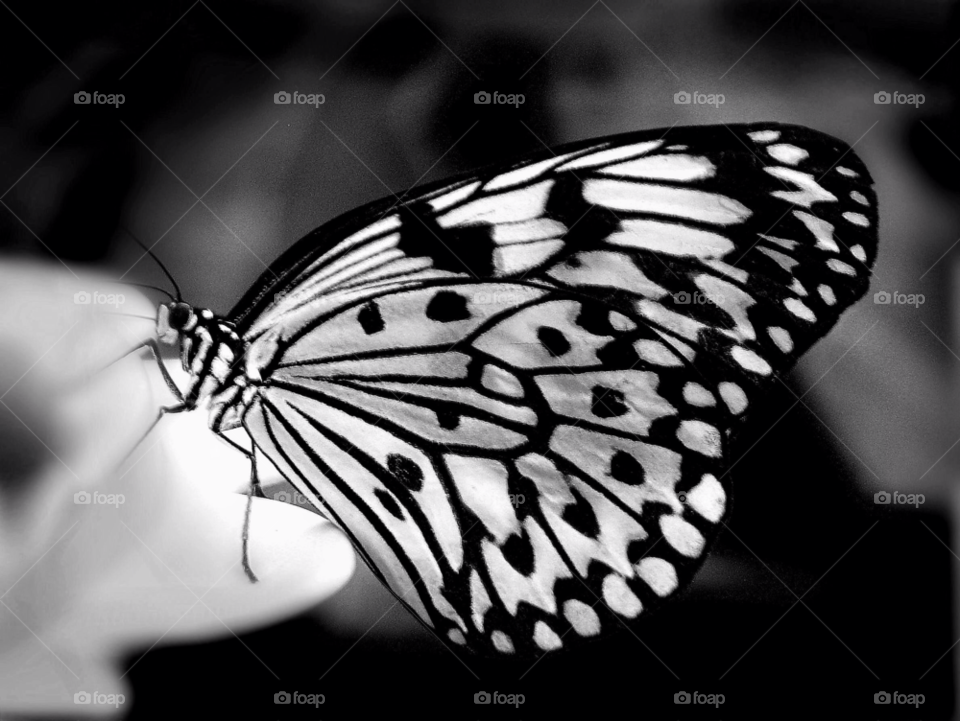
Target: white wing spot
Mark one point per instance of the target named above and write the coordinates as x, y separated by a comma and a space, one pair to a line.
696, 395
784, 261
796, 306
682, 535
731, 300
545, 637
480, 601
552, 486
678, 323
583, 618
517, 258
607, 268
659, 574
482, 485
525, 231
733, 396
859, 253
738, 274
859, 197
618, 596
857, 219
501, 381
525, 173
611, 155
443, 202
750, 360
781, 336
826, 292
665, 200
672, 239
846, 171
621, 322
456, 635
764, 136
838, 266
786, 153
656, 353
797, 287
700, 437
684, 350
821, 229
680, 168
708, 498
782, 242
676, 147
501, 642
514, 206
809, 191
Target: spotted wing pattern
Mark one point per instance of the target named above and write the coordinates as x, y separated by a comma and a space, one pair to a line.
515, 392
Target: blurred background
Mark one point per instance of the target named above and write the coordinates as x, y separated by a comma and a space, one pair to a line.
816, 597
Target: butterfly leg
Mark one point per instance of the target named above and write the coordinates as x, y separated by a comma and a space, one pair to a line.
254, 477
254, 487
154, 348
184, 403
182, 407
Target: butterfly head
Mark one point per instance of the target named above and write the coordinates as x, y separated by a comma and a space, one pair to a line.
174, 319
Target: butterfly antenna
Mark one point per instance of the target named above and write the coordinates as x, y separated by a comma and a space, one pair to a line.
159, 263
152, 287
134, 315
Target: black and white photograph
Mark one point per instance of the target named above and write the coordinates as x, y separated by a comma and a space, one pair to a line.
496, 360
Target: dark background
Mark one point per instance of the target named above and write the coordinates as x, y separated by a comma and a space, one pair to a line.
398, 80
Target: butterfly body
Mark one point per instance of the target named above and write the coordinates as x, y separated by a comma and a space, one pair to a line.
516, 391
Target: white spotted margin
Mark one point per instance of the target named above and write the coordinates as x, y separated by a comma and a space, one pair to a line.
582, 330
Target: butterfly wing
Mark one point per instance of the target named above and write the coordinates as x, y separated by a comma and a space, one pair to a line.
515, 392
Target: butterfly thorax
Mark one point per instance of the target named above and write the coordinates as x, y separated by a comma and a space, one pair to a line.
212, 352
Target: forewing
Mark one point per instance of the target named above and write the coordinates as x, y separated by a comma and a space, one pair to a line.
515, 392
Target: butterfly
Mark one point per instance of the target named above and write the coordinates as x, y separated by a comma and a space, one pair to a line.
516, 391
